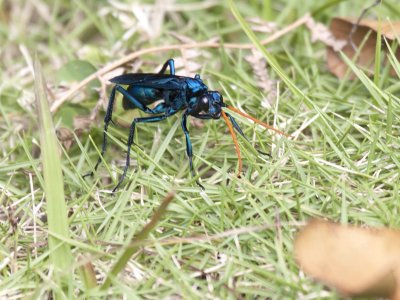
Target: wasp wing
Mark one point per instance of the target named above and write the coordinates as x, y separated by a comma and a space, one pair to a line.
151, 80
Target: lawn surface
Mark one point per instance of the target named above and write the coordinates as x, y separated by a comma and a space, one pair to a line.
235, 239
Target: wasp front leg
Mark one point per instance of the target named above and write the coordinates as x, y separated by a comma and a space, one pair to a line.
189, 149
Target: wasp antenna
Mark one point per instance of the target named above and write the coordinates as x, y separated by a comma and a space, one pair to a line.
257, 121
233, 134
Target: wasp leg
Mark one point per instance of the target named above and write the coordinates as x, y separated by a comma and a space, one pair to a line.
240, 131
189, 149
170, 62
131, 136
159, 109
107, 120
137, 103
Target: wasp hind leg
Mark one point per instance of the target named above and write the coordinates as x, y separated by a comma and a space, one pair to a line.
170, 62
107, 120
159, 109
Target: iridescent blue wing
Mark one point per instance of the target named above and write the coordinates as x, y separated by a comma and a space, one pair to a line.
157, 81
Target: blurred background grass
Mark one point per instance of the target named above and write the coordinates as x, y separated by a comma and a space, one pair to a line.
343, 165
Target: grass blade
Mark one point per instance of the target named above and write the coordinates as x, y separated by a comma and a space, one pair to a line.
61, 257
136, 242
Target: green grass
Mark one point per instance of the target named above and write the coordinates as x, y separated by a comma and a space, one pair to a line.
236, 239
60, 252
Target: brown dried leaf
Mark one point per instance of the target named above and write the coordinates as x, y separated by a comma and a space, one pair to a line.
367, 29
80, 124
65, 136
390, 30
356, 261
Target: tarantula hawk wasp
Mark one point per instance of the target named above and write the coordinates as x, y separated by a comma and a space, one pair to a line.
178, 93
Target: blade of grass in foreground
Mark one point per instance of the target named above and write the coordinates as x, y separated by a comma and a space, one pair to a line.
61, 257
137, 241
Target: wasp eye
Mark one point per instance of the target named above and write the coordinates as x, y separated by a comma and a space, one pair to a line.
204, 101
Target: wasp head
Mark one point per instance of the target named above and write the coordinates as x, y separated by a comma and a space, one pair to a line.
210, 103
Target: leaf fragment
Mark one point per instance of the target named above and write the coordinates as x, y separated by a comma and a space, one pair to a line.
364, 36
356, 261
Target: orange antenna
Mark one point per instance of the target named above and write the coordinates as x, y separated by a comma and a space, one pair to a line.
256, 120
233, 134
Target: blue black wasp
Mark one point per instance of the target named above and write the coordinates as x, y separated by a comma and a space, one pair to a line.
178, 93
